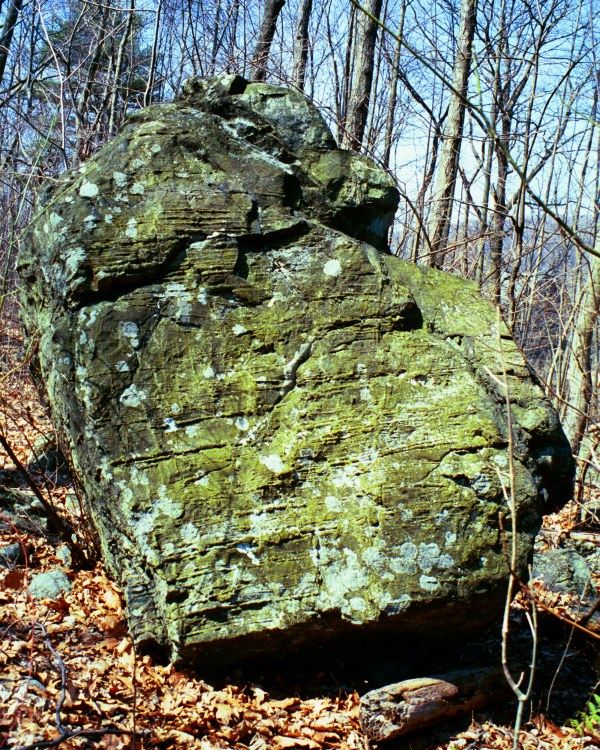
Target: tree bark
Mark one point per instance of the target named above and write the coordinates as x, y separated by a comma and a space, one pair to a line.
7, 34
112, 120
301, 44
391, 111
265, 39
579, 378
439, 224
360, 96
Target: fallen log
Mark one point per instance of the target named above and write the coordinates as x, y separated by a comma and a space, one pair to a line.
411, 705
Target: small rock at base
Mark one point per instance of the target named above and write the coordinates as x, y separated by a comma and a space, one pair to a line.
49, 585
564, 571
11, 556
64, 555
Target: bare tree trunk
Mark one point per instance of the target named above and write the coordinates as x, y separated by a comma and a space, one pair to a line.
360, 97
81, 105
7, 33
265, 39
391, 111
301, 44
153, 55
119, 68
347, 76
439, 224
500, 215
579, 372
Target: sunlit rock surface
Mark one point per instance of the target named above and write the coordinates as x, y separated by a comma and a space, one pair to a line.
283, 434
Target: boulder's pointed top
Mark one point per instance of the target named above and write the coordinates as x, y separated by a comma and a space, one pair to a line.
297, 121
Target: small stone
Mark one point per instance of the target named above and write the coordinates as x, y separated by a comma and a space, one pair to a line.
72, 504
564, 571
49, 585
11, 556
64, 555
45, 456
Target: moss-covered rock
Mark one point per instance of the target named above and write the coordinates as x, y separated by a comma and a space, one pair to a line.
282, 433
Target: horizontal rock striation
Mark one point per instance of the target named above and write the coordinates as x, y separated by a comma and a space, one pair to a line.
283, 433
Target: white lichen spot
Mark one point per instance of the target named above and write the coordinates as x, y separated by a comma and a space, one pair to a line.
445, 561
277, 297
166, 504
238, 329
427, 556
500, 459
73, 259
139, 477
122, 366
88, 190
407, 560
429, 583
130, 331
365, 395
137, 189
248, 550
155, 148
131, 230
208, 372
273, 463
202, 296
242, 424
132, 396
357, 604
406, 514
192, 430
52, 223
170, 424
203, 481
332, 268
105, 468
120, 179
344, 477
108, 218
450, 538
483, 561
137, 163
333, 504
189, 533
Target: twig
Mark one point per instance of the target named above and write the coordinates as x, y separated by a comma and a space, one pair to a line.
64, 733
87, 733
522, 695
63, 527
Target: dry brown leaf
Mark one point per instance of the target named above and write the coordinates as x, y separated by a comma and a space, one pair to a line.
282, 742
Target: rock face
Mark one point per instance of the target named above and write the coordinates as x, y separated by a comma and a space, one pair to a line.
283, 434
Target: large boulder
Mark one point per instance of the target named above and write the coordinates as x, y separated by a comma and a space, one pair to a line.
283, 433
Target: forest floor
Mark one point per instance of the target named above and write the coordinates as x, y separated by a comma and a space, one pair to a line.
68, 666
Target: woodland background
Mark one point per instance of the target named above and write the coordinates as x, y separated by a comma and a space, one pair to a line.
486, 115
